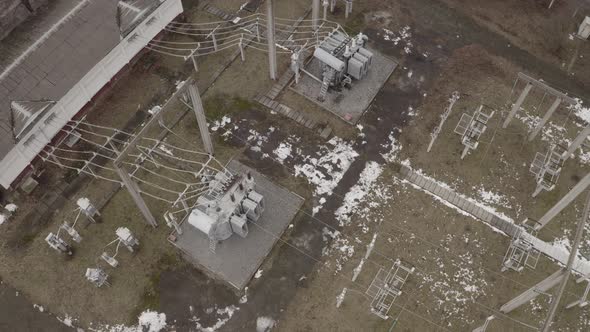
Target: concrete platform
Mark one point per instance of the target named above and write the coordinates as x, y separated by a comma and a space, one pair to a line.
237, 259
348, 104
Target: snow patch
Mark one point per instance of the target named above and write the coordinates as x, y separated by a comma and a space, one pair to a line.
11, 207
357, 193
220, 123
264, 324
325, 170
283, 151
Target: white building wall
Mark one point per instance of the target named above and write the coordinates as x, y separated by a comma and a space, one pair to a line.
16, 161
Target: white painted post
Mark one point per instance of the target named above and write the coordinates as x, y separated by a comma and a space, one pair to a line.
484, 327
517, 105
272, 47
325, 4
242, 48
545, 118
582, 302
332, 6
347, 8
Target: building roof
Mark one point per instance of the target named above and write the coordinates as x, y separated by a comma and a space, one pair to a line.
55, 61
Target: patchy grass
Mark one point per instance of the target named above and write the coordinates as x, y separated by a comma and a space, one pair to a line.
150, 299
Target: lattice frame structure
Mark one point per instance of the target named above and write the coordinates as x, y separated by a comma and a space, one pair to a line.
521, 253
547, 168
471, 127
386, 287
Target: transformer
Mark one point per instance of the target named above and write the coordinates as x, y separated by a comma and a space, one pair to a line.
342, 59
227, 207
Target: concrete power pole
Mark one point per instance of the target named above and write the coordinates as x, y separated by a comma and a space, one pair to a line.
272, 47
569, 265
315, 14
135, 195
201, 119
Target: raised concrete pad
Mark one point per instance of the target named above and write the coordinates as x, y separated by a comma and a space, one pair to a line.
348, 104
237, 259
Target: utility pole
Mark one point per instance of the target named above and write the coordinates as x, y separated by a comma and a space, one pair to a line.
135, 195
201, 119
569, 266
315, 14
272, 47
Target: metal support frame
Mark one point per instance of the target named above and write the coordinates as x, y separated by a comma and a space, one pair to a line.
471, 127
272, 47
443, 118
386, 287
540, 84
547, 168
521, 253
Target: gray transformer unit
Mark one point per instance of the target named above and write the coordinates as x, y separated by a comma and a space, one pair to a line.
227, 208
342, 58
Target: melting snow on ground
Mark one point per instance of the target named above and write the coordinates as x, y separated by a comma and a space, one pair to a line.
220, 123
283, 151
402, 37
165, 149
226, 313
581, 112
356, 195
11, 208
325, 170
264, 324
393, 147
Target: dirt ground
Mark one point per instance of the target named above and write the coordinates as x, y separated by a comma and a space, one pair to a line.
475, 50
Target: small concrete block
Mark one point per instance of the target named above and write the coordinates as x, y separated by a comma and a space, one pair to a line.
326, 132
